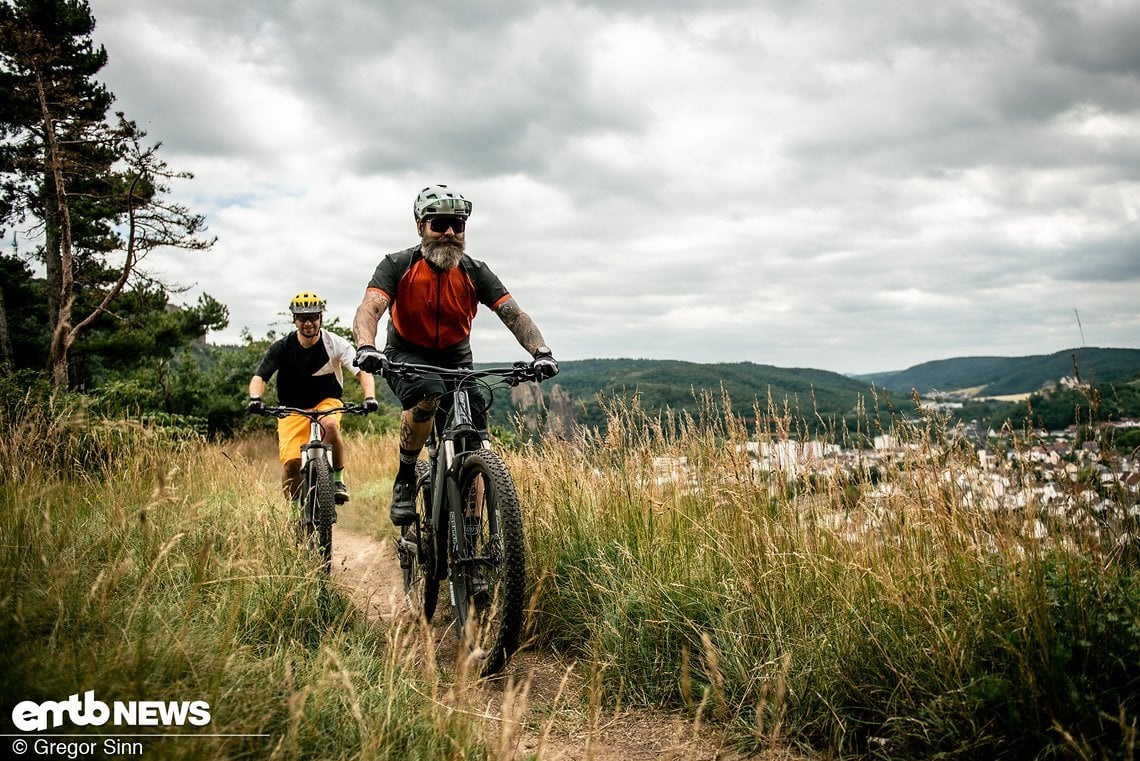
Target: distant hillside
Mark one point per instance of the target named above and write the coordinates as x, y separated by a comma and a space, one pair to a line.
676, 385
1012, 375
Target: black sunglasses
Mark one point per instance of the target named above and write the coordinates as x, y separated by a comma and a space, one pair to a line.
307, 317
440, 224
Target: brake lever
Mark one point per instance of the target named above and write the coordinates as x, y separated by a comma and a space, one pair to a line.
523, 372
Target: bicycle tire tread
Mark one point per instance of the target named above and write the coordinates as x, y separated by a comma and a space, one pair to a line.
323, 514
506, 638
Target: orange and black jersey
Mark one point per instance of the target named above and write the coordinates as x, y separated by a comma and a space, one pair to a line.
432, 310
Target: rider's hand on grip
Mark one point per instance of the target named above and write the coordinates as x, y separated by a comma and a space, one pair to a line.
370, 360
256, 406
371, 405
545, 366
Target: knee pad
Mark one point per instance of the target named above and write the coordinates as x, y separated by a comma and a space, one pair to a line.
425, 409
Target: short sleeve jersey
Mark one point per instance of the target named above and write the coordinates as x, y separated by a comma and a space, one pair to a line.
305, 377
433, 310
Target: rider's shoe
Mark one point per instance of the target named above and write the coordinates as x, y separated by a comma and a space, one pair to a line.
340, 492
403, 511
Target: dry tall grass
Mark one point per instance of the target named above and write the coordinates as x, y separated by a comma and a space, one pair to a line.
857, 612
149, 568
858, 609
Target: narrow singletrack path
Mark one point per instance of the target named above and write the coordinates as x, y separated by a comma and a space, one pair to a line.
539, 706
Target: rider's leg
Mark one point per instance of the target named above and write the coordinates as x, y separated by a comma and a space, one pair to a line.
291, 479
291, 482
292, 433
336, 444
335, 441
419, 398
415, 427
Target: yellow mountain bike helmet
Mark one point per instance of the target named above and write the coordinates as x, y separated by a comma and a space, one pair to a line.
306, 302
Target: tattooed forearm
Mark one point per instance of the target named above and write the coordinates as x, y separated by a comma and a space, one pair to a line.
368, 314
519, 323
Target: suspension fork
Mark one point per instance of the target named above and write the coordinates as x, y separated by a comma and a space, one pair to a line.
309, 451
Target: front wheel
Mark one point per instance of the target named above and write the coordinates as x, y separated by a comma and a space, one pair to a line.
318, 516
490, 559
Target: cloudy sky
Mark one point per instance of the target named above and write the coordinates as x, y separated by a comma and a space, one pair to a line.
852, 186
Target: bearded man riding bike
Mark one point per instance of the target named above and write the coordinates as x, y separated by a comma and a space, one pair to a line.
432, 292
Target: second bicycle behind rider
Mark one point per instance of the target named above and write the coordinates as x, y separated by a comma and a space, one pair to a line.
432, 292
308, 365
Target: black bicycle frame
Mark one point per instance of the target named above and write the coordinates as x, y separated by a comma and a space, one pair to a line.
452, 445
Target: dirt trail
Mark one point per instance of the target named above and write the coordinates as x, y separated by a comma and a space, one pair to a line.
537, 708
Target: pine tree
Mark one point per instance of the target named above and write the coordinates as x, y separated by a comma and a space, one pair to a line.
80, 177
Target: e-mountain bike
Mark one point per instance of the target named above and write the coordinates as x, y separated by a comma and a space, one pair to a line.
468, 527
318, 497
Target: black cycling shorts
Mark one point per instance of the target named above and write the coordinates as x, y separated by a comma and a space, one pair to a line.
412, 391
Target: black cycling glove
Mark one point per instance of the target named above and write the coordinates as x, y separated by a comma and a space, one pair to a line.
545, 366
370, 360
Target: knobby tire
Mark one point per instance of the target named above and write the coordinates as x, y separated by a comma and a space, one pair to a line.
322, 500
491, 620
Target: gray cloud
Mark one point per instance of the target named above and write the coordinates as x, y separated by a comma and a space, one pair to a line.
804, 184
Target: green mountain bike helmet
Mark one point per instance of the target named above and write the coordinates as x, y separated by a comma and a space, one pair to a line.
306, 302
439, 199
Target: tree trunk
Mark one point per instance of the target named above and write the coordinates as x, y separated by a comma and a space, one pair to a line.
7, 364
52, 263
62, 336
57, 358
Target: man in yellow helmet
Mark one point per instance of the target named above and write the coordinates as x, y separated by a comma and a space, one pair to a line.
308, 364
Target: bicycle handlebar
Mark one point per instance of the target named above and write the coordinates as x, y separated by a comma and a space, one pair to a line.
281, 410
520, 372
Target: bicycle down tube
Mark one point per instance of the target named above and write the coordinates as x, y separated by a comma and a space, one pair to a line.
470, 526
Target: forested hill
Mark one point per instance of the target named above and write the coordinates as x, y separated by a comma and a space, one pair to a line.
678, 385
1012, 375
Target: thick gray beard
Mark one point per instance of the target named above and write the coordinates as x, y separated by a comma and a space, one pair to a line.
443, 253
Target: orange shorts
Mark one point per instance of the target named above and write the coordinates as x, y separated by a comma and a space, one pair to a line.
293, 431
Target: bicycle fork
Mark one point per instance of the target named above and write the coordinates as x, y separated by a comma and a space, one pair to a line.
308, 484
448, 497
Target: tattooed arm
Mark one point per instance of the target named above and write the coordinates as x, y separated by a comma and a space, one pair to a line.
368, 315
520, 323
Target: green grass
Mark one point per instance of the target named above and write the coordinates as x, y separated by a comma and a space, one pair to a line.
900, 625
147, 568
854, 614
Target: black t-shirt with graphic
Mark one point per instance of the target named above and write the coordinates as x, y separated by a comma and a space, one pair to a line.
305, 377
